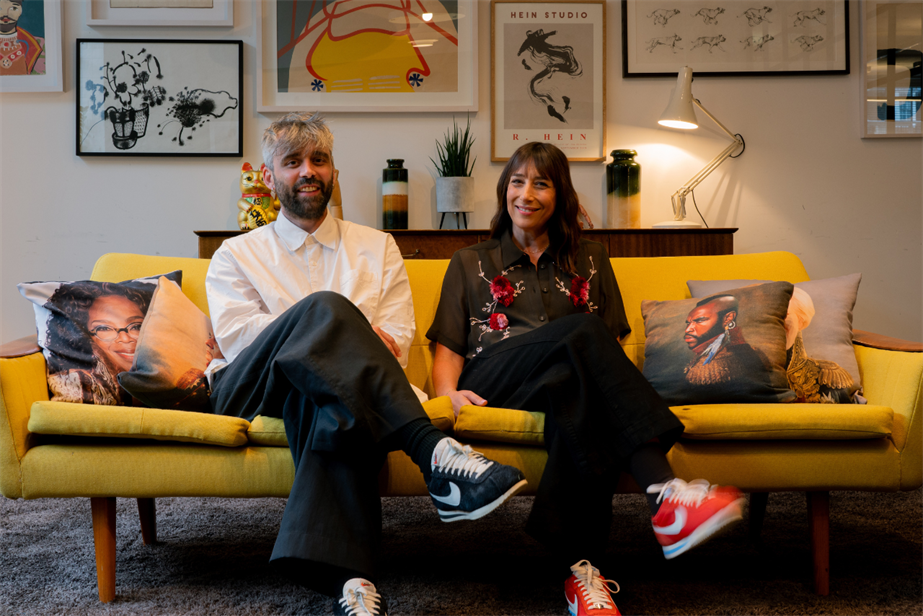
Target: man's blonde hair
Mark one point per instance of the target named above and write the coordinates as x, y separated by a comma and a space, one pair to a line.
294, 132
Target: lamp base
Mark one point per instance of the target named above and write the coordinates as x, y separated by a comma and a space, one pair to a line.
677, 224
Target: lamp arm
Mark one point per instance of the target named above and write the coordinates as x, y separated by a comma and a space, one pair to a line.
679, 197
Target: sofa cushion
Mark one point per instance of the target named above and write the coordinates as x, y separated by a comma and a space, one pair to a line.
175, 345
841, 422
270, 431
823, 315
70, 419
705, 422
725, 348
485, 423
74, 321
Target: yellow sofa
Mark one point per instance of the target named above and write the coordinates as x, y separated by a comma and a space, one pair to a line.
110, 452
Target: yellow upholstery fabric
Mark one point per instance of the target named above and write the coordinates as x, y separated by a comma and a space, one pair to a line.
68, 418
22, 381
484, 423
270, 431
145, 469
267, 432
785, 421
115, 267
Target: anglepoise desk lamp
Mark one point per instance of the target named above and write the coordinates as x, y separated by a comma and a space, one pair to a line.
680, 114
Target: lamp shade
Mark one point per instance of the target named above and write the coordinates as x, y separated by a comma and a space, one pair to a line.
680, 113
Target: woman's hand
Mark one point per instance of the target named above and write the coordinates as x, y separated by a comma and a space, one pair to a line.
463, 397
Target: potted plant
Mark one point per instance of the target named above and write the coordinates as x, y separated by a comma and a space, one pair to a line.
455, 186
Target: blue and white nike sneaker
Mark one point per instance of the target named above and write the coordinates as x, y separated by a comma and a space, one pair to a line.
465, 485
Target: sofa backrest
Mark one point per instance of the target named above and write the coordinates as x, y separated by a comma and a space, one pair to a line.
660, 278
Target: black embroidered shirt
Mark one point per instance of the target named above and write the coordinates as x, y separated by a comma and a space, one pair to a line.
491, 292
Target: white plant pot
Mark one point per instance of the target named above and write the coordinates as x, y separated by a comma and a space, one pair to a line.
454, 194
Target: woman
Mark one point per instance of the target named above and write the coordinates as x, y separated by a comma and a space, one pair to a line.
112, 315
531, 319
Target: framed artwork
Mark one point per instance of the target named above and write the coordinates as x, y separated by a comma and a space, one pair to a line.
892, 78
731, 38
366, 55
158, 97
30, 61
160, 12
548, 77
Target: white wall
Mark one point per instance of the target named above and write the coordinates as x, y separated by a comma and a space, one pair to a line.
807, 183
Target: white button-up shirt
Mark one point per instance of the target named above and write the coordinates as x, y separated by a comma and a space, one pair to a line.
255, 277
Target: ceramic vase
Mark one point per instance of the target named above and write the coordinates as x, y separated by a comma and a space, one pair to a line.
394, 195
623, 191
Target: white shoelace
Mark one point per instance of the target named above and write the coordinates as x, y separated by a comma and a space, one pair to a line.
596, 590
677, 490
461, 460
361, 602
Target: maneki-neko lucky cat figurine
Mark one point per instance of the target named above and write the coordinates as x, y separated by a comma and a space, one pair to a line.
257, 205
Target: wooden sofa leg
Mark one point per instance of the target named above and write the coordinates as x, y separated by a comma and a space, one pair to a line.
147, 509
104, 537
819, 523
758, 503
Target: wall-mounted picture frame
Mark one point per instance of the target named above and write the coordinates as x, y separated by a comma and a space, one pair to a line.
171, 13
32, 61
159, 97
892, 69
731, 38
338, 55
548, 77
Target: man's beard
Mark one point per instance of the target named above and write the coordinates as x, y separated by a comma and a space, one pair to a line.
300, 206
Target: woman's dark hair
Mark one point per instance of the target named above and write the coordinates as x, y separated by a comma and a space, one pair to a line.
68, 334
563, 229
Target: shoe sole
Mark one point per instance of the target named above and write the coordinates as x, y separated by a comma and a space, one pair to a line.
713, 526
455, 516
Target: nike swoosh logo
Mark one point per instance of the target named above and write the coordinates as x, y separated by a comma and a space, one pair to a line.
677, 526
452, 498
572, 605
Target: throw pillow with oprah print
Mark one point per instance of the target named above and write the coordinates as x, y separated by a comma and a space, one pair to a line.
88, 331
728, 347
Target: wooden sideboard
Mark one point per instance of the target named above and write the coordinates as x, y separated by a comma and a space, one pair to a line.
442, 243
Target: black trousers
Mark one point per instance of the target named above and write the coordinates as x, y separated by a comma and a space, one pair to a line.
342, 395
598, 409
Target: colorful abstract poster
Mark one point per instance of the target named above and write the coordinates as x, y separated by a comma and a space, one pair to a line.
357, 54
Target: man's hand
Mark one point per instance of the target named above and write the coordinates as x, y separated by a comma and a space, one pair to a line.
388, 340
463, 397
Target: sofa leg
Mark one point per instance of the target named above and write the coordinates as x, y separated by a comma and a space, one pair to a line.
819, 524
758, 502
104, 537
147, 510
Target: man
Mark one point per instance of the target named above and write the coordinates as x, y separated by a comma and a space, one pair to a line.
721, 353
21, 53
314, 315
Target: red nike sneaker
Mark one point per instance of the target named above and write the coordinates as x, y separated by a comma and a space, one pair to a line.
589, 594
692, 513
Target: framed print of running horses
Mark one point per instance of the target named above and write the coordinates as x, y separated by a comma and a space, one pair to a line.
548, 77
733, 38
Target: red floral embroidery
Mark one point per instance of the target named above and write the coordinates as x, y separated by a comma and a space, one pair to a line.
502, 291
579, 291
498, 320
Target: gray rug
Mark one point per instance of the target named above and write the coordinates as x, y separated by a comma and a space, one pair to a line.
212, 556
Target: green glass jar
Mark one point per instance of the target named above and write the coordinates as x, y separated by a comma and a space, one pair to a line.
623, 191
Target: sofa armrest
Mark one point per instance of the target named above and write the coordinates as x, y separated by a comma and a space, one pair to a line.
22, 382
887, 343
895, 379
19, 347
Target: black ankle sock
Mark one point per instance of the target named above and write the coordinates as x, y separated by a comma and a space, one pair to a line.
648, 465
418, 440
